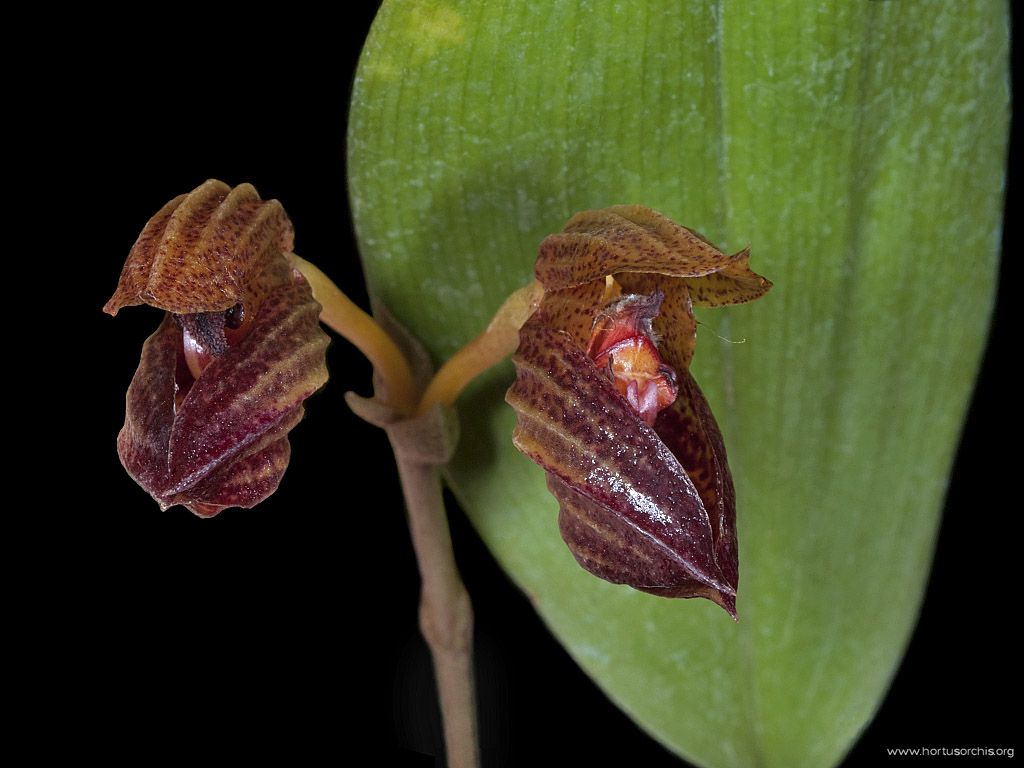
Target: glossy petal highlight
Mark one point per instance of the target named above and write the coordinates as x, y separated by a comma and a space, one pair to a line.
631, 448
640, 516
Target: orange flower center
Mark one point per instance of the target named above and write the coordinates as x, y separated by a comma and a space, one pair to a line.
622, 342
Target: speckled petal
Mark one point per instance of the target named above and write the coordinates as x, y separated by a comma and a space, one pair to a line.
689, 430
735, 283
252, 390
639, 518
205, 252
623, 238
149, 410
209, 431
225, 443
612, 548
635, 239
245, 482
669, 531
572, 309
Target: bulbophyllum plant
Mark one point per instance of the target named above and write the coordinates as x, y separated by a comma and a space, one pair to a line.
603, 340
860, 149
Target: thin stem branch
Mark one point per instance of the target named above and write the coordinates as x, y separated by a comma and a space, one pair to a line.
345, 317
446, 613
494, 344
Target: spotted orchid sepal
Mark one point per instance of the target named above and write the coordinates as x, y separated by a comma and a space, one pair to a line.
607, 407
222, 381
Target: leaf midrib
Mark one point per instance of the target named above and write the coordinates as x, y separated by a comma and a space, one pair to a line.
751, 703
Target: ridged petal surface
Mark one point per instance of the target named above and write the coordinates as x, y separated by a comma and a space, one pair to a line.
205, 251
218, 440
629, 512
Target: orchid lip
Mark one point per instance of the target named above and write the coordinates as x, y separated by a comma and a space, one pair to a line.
624, 343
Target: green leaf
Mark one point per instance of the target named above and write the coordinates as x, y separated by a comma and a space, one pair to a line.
858, 148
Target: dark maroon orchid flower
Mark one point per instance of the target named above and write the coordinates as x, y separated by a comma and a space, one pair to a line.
607, 406
223, 379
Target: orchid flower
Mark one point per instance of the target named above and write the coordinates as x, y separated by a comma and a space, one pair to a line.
222, 381
607, 406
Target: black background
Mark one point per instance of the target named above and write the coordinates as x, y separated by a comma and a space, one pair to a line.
289, 630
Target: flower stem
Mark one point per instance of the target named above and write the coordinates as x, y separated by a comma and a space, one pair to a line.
346, 318
495, 343
446, 613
